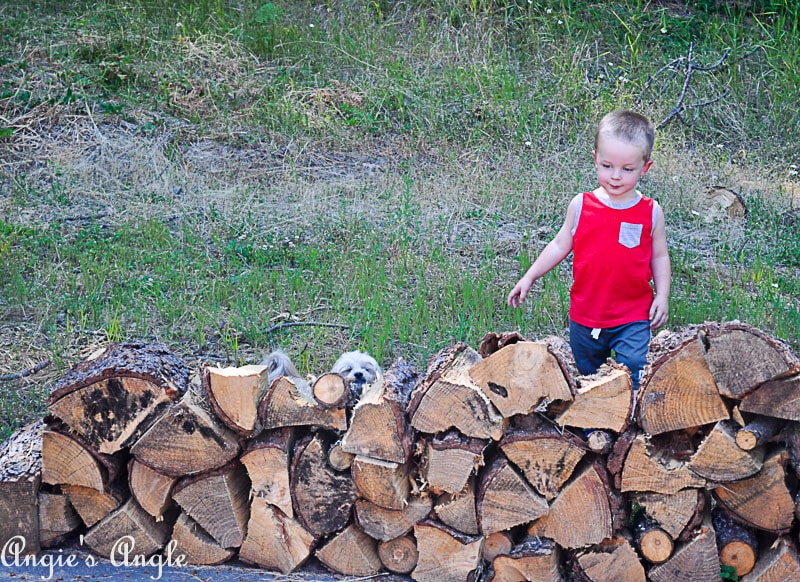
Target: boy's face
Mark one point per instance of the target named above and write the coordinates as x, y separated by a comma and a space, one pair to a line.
619, 166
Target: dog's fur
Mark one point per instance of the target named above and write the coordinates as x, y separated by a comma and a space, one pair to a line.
357, 367
279, 365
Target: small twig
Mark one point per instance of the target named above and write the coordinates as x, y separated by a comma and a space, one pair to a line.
280, 326
28, 372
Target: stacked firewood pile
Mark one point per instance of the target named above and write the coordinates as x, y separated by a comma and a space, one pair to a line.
495, 464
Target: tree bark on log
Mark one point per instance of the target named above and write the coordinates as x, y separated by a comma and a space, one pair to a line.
446, 555
737, 544
758, 432
20, 480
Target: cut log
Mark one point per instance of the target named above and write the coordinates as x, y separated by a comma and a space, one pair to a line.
20, 478
130, 531
505, 499
694, 561
446, 555
649, 469
603, 401
400, 555
290, 403
519, 376
758, 432
600, 442
351, 552
741, 357
723, 204
322, 498
267, 459
66, 460
720, 459
737, 543
611, 561
331, 391
458, 511
188, 439
674, 513
93, 505
57, 518
383, 483
762, 501
274, 541
449, 459
219, 502
447, 398
338, 458
679, 392
779, 397
234, 394
533, 559
387, 524
111, 399
152, 490
380, 426
778, 564
546, 456
655, 545
196, 545
580, 516
499, 542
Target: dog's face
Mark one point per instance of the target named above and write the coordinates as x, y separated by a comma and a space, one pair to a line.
357, 367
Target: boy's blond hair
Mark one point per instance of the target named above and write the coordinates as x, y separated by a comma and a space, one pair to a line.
628, 126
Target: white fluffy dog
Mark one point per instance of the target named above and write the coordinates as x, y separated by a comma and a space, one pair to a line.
357, 367
279, 365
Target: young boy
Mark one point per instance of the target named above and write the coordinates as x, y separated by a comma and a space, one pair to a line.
619, 242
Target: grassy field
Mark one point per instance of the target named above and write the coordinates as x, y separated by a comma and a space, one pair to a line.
234, 176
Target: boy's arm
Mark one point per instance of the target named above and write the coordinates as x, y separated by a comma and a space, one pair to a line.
662, 274
555, 252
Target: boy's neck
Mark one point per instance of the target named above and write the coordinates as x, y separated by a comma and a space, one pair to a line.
621, 200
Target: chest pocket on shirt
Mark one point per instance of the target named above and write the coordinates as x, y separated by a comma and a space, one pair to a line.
630, 234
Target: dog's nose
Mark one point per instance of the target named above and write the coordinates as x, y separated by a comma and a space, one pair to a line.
359, 376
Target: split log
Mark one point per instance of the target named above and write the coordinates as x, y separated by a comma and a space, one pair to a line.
679, 392
234, 394
505, 499
762, 501
600, 442
130, 531
740, 357
499, 542
737, 544
92, 505
267, 459
380, 427
518, 377
449, 459
778, 397
57, 518
291, 403
694, 561
338, 458
649, 469
66, 460
603, 401
351, 552
388, 524
400, 555
218, 501
546, 456
383, 483
274, 541
111, 399
533, 559
152, 490
720, 459
674, 513
778, 564
188, 439
331, 390
446, 555
655, 545
20, 479
447, 398
758, 432
611, 561
322, 498
458, 510
580, 516
193, 542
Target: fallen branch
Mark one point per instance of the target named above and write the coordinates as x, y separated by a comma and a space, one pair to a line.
27, 372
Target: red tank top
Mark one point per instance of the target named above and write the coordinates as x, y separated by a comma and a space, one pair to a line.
611, 263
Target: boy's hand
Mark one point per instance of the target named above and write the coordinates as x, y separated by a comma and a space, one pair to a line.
518, 293
659, 312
